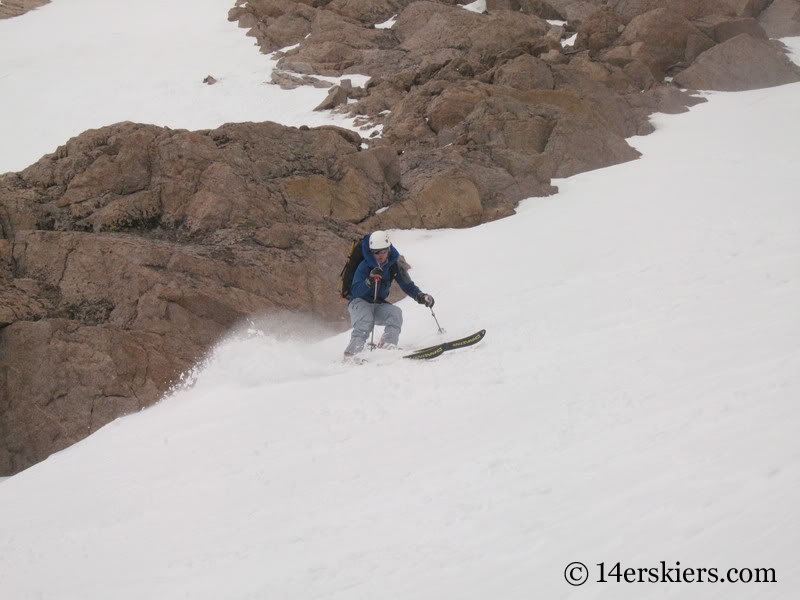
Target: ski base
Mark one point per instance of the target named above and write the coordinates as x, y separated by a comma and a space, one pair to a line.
439, 349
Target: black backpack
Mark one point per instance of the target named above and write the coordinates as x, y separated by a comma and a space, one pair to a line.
349, 269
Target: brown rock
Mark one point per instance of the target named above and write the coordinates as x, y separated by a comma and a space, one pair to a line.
663, 39
639, 74
696, 9
289, 81
690, 9
554, 57
579, 140
429, 40
133, 248
606, 89
127, 253
444, 199
22, 300
337, 95
453, 105
517, 127
274, 23
748, 8
431, 29
741, 63
599, 31
781, 18
628, 9
367, 12
525, 73
107, 373
667, 99
280, 235
337, 45
575, 11
721, 28
14, 8
538, 8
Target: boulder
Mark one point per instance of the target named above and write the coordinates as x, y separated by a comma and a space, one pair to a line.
606, 88
721, 28
538, 8
554, 57
435, 202
289, 81
103, 373
429, 39
663, 39
697, 9
450, 108
599, 31
275, 24
337, 95
690, 9
781, 18
741, 63
575, 11
337, 45
131, 250
429, 29
547, 130
628, 9
748, 8
368, 12
525, 73
639, 75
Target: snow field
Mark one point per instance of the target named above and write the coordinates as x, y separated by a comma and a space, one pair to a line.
634, 399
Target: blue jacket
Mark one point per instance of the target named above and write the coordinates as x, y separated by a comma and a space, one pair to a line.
391, 271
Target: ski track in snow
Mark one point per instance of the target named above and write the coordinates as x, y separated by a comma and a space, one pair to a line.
634, 400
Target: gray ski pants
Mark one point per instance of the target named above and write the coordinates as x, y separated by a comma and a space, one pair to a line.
365, 315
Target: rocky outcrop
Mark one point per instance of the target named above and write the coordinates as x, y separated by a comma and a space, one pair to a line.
131, 250
741, 63
575, 11
661, 39
721, 29
15, 8
127, 253
689, 9
781, 18
600, 30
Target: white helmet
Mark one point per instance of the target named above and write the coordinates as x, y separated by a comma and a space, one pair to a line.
379, 240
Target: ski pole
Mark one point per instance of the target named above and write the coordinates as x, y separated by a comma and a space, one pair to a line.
375, 281
437, 321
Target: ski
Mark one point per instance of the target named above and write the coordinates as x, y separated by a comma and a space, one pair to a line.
439, 349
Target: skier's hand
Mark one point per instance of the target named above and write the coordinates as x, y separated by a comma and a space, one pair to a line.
375, 276
425, 299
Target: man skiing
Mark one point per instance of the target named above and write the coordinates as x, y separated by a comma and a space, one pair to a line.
370, 287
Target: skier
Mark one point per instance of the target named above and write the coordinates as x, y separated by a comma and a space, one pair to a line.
369, 289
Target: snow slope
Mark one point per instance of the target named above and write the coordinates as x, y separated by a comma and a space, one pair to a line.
141, 61
634, 401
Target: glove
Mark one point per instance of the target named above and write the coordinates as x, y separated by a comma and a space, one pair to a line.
375, 275
425, 299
